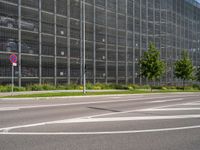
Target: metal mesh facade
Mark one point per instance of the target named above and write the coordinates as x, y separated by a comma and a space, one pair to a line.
47, 37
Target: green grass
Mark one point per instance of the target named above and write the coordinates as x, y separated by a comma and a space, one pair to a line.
62, 94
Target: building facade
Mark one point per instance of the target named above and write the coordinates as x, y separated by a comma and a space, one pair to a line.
47, 37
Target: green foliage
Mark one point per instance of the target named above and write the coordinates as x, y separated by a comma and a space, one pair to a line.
196, 86
184, 68
34, 87
98, 86
6, 88
152, 67
19, 89
171, 87
164, 88
42, 87
72, 87
198, 74
144, 87
89, 86
48, 87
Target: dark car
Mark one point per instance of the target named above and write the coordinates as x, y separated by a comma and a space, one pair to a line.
13, 23
11, 45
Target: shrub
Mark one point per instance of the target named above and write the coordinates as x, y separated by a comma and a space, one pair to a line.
121, 87
89, 86
80, 87
145, 87
111, 86
6, 88
171, 87
48, 87
157, 87
60, 87
179, 88
97, 87
19, 89
196, 86
164, 88
102, 86
34, 87
72, 87
131, 88
189, 88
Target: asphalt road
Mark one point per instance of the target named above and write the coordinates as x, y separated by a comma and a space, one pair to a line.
121, 122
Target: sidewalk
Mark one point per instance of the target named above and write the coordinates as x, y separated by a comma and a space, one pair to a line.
53, 91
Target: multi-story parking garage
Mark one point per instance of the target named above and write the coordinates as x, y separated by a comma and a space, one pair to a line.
47, 37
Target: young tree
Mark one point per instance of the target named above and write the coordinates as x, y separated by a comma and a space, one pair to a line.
184, 68
151, 66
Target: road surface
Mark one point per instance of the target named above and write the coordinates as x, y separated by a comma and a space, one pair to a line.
121, 122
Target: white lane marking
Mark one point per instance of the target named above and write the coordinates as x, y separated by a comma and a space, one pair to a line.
102, 133
170, 100
8, 108
118, 119
129, 111
117, 97
192, 104
82, 103
171, 109
85, 117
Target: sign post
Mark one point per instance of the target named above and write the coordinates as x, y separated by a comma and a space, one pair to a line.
13, 60
84, 65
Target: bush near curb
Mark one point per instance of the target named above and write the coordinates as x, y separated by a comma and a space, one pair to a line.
97, 86
196, 86
8, 88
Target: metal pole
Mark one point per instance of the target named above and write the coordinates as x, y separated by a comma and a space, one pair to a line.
84, 66
12, 78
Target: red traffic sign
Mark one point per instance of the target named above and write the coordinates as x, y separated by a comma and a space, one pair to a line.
13, 59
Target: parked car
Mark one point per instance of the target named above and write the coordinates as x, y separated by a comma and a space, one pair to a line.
8, 22
11, 45
13, 23
28, 26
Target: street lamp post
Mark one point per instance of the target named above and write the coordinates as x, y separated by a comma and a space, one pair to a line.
83, 30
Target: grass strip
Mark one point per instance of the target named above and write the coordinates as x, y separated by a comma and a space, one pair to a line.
62, 94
